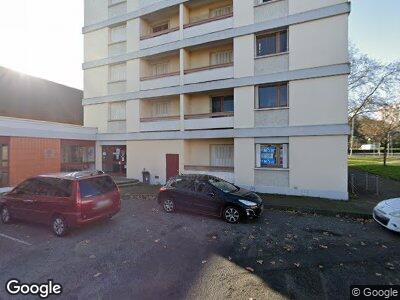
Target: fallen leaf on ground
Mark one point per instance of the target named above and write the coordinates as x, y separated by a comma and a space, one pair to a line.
203, 262
250, 269
323, 246
97, 274
378, 274
260, 261
297, 265
92, 256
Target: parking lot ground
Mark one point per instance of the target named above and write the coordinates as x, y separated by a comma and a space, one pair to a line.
144, 253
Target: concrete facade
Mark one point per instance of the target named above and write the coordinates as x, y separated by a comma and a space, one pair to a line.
200, 81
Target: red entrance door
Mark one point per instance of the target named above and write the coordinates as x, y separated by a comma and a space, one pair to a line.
172, 165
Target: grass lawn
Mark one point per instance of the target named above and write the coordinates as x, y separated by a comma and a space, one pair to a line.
374, 165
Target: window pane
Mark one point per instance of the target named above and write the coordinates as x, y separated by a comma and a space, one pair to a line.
283, 41
96, 186
216, 104
228, 104
161, 27
222, 155
267, 96
283, 96
268, 156
266, 45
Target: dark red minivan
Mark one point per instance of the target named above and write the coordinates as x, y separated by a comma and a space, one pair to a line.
63, 200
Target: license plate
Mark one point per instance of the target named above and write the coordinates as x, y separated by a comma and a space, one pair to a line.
102, 204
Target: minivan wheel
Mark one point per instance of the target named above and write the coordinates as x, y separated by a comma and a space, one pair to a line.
231, 215
59, 226
5, 215
169, 205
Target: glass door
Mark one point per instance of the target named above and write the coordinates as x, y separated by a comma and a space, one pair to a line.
4, 165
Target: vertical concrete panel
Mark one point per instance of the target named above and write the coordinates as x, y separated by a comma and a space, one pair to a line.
96, 44
99, 157
244, 56
244, 162
319, 43
95, 11
243, 12
95, 82
133, 115
133, 5
133, 75
96, 116
319, 164
133, 35
244, 107
298, 6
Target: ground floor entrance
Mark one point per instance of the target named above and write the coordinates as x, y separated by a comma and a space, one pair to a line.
4, 161
114, 160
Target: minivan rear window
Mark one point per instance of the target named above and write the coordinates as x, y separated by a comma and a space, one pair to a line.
96, 186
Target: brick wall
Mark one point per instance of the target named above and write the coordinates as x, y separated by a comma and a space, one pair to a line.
33, 156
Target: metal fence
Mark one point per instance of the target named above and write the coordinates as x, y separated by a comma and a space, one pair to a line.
364, 183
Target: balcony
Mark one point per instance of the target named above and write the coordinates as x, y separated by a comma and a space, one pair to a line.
209, 111
205, 17
211, 157
160, 71
209, 63
161, 27
161, 114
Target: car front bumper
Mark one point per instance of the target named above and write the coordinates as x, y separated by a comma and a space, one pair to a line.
254, 212
387, 221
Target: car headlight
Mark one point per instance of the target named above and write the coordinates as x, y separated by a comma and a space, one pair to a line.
247, 202
395, 214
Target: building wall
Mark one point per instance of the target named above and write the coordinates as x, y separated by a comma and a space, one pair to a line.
97, 116
33, 156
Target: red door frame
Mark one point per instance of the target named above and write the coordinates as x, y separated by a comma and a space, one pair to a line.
172, 165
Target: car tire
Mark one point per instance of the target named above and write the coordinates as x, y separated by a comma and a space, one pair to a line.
231, 215
5, 215
168, 205
59, 226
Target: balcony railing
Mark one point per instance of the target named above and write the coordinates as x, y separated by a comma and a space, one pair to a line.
152, 35
151, 77
160, 119
210, 67
205, 20
209, 115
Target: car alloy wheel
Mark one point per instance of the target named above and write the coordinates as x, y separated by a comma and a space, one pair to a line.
5, 215
169, 205
231, 215
59, 226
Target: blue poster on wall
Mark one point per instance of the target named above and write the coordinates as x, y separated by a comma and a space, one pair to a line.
268, 156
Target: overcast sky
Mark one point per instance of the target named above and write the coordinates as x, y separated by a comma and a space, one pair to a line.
43, 37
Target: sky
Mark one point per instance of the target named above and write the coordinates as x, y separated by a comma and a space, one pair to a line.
44, 38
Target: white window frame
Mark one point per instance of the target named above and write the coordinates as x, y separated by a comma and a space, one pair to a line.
229, 150
112, 78
120, 116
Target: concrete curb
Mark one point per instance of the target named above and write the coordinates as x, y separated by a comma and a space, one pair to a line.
323, 212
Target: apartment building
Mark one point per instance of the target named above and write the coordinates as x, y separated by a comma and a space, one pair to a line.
253, 91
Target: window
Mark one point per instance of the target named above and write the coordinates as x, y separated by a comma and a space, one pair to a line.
77, 154
270, 96
117, 73
118, 34
222, 155
272, 156
220, 11
221, 57
272, 43
160, 27
159, 68
222, 104
96, 186
3, 155
160, 109
117, 111
223, 185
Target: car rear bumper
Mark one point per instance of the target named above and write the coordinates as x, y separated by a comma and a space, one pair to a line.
76, 220
387, 221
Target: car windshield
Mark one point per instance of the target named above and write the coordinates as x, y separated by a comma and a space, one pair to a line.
96, 186
223, 185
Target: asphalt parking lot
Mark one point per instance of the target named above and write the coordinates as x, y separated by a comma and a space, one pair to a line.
144, 253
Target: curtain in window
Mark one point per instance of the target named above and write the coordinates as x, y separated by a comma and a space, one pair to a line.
118, 72
220, 11
160, 109
222, 155
118, 34
221, 57
117, 111
160, 69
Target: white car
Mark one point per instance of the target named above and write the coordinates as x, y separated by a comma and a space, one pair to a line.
387, 214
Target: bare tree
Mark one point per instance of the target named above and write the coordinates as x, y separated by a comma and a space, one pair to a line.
371, 86
384, 126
